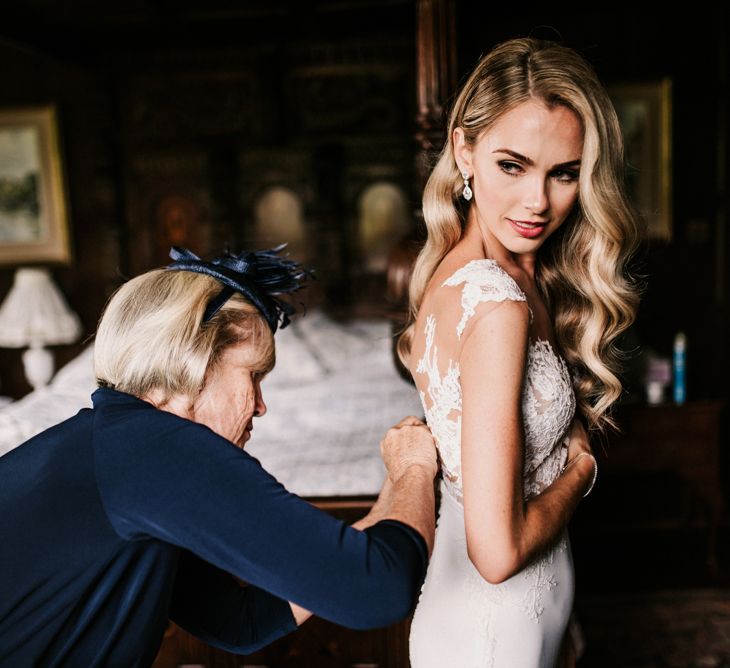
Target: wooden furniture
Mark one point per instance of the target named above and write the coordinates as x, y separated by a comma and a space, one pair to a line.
317, 644
683, 441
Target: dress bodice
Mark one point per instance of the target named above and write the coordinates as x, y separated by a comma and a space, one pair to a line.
548, 400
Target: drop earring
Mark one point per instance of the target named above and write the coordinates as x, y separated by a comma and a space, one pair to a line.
466, 193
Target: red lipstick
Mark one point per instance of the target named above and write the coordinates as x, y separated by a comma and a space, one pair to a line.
526, 228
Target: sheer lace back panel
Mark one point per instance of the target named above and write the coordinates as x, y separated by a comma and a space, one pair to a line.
548, 401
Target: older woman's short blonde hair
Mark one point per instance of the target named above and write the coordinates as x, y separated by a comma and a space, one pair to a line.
151, 337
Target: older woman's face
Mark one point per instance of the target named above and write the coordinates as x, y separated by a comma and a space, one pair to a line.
232, 395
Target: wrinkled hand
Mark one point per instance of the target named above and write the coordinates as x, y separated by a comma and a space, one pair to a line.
409, 443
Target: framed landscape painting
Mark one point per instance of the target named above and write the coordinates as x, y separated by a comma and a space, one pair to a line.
645, 113
33, 208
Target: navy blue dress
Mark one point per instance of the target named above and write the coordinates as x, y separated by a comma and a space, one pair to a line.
125, 516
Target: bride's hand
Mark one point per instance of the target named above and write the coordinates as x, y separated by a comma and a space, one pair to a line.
579, 448
578, 442
409, 443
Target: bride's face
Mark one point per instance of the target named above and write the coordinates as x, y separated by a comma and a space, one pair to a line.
524, 174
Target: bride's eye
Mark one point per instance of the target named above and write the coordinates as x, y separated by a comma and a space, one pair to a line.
506, 166
566, 175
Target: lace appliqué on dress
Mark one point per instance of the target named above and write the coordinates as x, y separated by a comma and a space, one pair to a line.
548, 405
538, 578
548, 400
523, 592
542, 579
484, 280
445, 398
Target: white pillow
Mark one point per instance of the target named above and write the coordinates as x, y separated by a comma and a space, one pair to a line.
296, 360
353, 345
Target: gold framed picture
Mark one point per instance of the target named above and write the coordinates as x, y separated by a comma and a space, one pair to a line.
33, 206
645, 114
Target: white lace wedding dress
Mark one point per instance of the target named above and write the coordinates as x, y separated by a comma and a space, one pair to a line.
461, 620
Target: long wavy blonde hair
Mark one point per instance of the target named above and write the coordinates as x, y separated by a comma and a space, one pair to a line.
582, 270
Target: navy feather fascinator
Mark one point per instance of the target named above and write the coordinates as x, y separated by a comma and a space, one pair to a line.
260, 276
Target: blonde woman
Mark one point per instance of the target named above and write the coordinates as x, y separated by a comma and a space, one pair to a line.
517, 299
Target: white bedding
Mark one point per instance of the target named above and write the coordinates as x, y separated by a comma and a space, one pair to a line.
333, 394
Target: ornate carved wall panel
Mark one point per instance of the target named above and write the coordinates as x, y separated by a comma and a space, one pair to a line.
211, 131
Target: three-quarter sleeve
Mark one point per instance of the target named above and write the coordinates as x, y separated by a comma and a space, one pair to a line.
213, 606
166, 478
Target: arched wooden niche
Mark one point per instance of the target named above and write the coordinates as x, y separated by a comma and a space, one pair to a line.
383, 219
279, 218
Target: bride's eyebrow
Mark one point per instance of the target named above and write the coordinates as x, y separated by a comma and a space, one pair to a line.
531, 162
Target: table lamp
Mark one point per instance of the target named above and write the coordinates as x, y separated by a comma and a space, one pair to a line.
35, 314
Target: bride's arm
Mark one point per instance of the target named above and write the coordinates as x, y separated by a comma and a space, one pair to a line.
503, 532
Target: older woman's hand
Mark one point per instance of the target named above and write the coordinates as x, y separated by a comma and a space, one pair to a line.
409, 443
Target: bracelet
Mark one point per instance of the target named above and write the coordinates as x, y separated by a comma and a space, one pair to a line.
595, 469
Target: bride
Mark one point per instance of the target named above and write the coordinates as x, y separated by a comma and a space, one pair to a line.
517, 300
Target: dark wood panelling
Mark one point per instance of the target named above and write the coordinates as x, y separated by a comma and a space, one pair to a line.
209, 106
175, 119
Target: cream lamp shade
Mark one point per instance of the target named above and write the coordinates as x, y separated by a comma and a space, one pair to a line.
35, 314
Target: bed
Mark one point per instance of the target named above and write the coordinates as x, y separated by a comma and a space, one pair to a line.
333, 394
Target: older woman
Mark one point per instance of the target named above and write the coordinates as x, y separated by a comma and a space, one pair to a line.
142, 508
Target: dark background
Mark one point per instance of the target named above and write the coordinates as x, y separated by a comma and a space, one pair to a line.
217, 101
